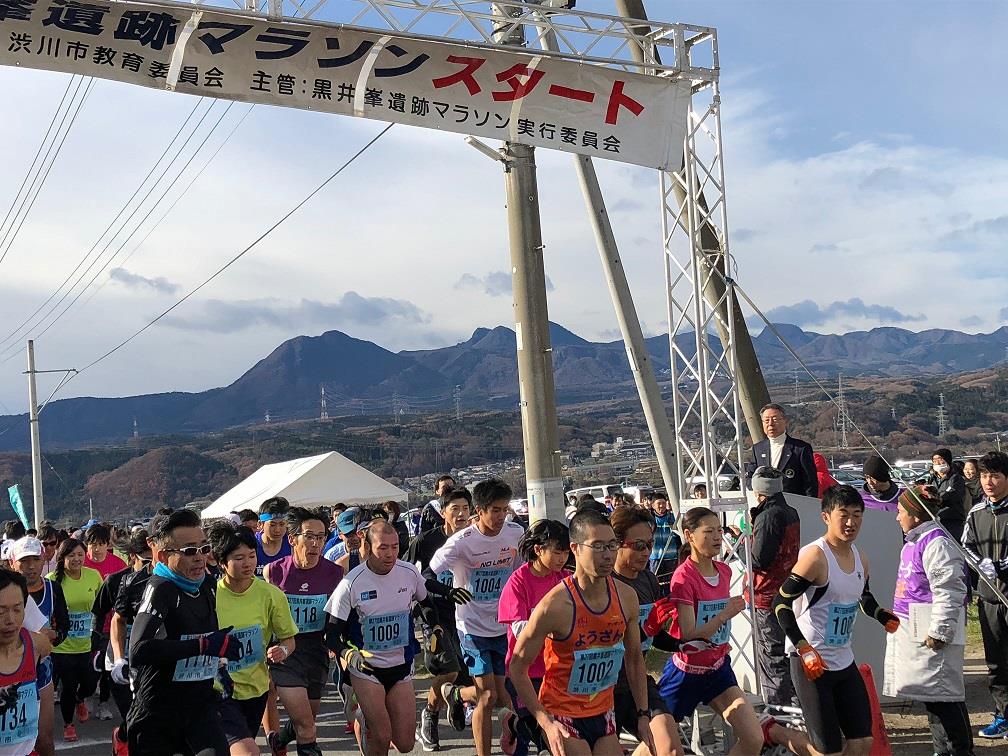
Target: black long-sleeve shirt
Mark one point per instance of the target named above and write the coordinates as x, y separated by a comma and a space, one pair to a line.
421, 549
169, 673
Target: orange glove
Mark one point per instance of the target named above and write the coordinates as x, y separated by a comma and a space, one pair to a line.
889, 621
811, 661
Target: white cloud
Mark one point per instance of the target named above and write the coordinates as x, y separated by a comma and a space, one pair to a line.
135, 281
865, 217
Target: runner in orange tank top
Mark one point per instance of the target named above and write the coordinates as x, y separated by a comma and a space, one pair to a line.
587, 627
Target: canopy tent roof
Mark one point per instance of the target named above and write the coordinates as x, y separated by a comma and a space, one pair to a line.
307, 482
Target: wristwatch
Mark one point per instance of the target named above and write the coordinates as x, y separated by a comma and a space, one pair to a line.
643, 713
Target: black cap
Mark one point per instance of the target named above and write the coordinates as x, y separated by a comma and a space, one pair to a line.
877, 468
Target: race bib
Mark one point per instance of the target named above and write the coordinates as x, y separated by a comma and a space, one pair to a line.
251, 639
195, 668
20, 722
445, 577
385, 631
595, 669
707, 611
487, 583
81, 624
840, 624
645, 640
308, 612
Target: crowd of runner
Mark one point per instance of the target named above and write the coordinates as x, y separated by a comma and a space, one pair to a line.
207, 637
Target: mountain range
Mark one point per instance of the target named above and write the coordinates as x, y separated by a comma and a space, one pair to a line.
361, 377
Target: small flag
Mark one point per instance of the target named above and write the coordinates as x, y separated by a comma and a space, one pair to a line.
15, 500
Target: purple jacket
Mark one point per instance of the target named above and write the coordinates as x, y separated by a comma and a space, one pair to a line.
932, 572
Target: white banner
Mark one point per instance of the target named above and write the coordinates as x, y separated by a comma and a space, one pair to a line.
535, 100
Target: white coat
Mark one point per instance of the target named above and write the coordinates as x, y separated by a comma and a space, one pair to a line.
913, 670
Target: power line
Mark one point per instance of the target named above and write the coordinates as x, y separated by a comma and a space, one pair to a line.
38, 152
177, 199
37, 187
239, 255
14, 334
142, 220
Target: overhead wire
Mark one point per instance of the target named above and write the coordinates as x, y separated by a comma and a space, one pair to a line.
349, 161
32, 166
36, 186
142, 220
15, 333
175, 201
112, 238
732, 284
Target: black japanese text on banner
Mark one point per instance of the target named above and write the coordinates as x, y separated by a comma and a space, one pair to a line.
497, 94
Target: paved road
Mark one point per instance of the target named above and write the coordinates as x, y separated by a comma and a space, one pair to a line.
907, 728
96, 737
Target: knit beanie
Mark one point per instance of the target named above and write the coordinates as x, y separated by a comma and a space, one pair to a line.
877, 468
944, 454
767, 481
911, 500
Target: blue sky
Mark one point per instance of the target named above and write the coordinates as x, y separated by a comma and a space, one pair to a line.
865, 151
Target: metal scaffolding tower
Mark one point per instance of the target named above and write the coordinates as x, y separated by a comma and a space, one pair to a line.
843, 419
943, 418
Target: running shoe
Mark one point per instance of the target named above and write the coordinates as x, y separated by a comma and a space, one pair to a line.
427, 730
456, 707
509, 736
469, 711
998, 728
119, 748
277, 746
104, 712
70, 734
83, 713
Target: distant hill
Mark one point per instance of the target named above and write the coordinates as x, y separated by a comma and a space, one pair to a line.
170, 476
361, 374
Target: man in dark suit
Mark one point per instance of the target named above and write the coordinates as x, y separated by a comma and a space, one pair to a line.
792, 456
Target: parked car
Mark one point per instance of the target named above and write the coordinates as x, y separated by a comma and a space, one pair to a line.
847, 477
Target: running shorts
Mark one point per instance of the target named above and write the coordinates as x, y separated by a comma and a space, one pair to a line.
387, 677
307, 667
242, 719
589, 729
835, 706
684, 691
449, 660
484, 656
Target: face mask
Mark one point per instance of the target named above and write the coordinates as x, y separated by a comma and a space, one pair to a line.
941, 469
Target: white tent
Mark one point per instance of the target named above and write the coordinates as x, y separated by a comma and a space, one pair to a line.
307, 482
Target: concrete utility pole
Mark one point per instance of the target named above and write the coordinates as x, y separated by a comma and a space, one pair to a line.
36, 444
659, 427
750, 383
537, 393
